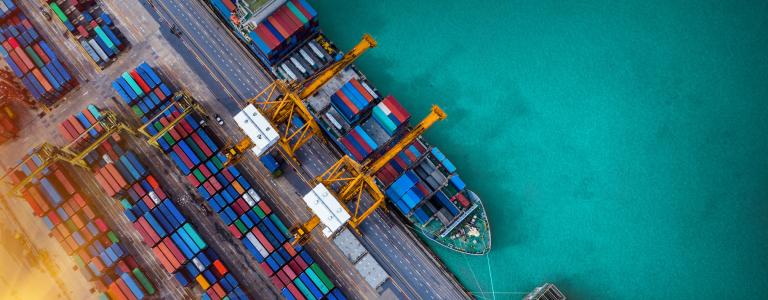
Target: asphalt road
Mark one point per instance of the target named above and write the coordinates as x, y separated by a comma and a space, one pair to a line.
235, 75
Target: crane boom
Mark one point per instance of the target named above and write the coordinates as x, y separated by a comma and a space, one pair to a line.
281, 103
365, 43
437, 114
356, 178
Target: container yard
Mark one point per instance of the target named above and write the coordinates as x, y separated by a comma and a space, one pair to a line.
152, 199
31, 58
92, 28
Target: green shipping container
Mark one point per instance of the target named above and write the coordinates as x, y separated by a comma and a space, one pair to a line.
59, 13
303, 289
297, 13
280, 225
32, 54
217, 163
259, 212
240, 226
137, 110
133, 84
112, 237
195, 237
195, 148
327, 282
105, 38
383, 119
198, 175
319, 283
144, 281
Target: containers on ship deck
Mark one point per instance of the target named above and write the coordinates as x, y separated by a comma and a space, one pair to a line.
390, 115
279, 33
32, 60
353, 99
92, 28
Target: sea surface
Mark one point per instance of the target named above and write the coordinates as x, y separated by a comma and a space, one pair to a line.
620, 147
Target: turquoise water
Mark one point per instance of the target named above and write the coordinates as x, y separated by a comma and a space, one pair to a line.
620, 147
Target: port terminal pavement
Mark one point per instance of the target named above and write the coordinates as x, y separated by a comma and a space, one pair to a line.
208, 62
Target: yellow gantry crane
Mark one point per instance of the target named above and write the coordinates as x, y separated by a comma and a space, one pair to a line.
48, 153
281, 101
355, 178
183, 102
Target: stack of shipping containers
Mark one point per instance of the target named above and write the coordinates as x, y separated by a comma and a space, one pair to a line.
276, 36
91, 27
250, 218
143, 91
175, 242
31, 58
83, 233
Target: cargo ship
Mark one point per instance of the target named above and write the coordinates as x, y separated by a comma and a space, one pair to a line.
421, 182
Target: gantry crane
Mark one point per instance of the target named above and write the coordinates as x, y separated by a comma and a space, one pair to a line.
182, 101
280, 102
48, 153
355, 178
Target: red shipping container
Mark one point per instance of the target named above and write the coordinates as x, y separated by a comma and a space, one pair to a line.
295, 292
291, 19
113, 188
139, 190
163, 261
76, 125
64, 182
351, 149
64, 133
186, 126
277, 282
41, 53
154, 238
360, 141
279, 27
362, 90
266, 36
236, 232
262, 239
174, 250
228, 4
347, 102
43, 81
302, 264
14, 43
220, 268
266, 268
159, 94
143, 233
394, 106
264, 207
217, 288
114, 292
136, 77
117, 176
200, 143
183, 156
168, 255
